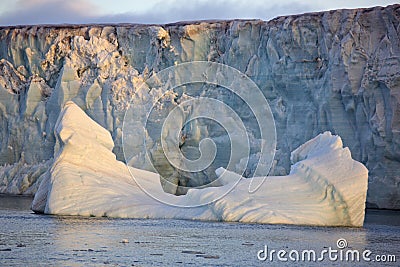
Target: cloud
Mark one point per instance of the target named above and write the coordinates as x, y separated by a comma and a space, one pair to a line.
49, 12
78, 12
164, 11
174, 10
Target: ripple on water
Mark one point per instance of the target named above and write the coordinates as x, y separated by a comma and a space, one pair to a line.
65, 240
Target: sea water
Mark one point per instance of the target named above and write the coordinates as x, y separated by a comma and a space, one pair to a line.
28, 239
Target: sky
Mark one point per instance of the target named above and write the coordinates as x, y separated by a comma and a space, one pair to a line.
22, 12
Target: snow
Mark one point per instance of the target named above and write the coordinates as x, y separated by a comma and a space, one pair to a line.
325, 186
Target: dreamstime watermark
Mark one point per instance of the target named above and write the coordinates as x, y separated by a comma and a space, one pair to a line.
160, 113
340, 253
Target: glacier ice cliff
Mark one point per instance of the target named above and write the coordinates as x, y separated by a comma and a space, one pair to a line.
325, 186
334, 71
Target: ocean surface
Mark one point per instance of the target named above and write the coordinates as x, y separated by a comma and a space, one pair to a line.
28, 239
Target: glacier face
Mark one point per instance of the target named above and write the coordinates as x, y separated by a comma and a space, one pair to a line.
325, 187
335, 71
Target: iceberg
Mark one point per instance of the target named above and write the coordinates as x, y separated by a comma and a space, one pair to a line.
325, 187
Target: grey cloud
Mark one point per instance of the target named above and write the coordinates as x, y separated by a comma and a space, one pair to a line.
49, 12
77, 12
172, 11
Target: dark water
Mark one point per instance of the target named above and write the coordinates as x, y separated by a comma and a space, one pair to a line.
28, 239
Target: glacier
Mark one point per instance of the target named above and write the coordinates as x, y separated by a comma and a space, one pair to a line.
334, 71
325, 186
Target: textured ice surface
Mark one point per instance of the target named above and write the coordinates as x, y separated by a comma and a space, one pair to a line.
334, 71
325, 185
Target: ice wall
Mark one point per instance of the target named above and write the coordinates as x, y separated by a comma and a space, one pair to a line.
336, 71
